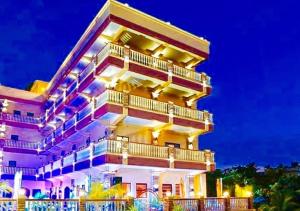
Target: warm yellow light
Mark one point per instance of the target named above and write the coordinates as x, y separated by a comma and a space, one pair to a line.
226, 194
168, 193
249, 193
155, 134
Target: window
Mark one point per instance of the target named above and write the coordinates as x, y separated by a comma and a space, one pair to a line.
141, 189
14, 137
17, 112
177, 186
12, 163
167, 190
30, 114
126, 187
170, 144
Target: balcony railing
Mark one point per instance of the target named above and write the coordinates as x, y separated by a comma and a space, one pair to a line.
147, 150
21, 144
189, 155
149, 104
132, 149
19, 118
13, 170
150, 61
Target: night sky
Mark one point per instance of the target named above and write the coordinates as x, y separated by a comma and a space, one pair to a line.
254, 64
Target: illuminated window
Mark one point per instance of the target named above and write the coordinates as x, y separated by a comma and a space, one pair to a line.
166, 188
30, 114
177, 188
141, 189
17, 112
12, 163
126, 187
14, 137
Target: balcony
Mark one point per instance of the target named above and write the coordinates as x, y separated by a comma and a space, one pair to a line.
129, 153
8, 172
166, 67
115, 97
20, 146
19, 120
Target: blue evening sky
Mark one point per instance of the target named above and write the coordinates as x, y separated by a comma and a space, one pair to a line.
254, 63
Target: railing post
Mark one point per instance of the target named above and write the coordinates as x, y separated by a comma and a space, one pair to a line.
82, 203
250, 202
201, 204
21, 203
227, 203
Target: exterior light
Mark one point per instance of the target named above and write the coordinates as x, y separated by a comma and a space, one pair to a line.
155, 94
189, 103
2, 134
4, 109
155, 186
5, 103
226, 194
22, 192
155, 134
125, 155
190, 147
190, 139
168, 193
82, 193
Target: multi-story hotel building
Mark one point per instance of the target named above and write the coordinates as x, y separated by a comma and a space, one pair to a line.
122, 105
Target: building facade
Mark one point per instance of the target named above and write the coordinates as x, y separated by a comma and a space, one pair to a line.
121, 108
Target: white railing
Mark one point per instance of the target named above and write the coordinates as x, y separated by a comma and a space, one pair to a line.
20, 144
19, 118
239, 203
147, 150
114, 146
149, 104
48, 168
8, 204
109, 96
113, 205
68, 160
191, 74
48, 204
110, 49
188, 113
13, 170
146, 60
56, 164
189, 155
217, 204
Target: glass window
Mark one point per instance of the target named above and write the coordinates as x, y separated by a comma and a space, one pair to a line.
30, 114
177, 189
17, 112
167, 190
14, 137
141, 189
12, 163
126, 187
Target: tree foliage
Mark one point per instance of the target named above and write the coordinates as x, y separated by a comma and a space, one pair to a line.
275, 189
